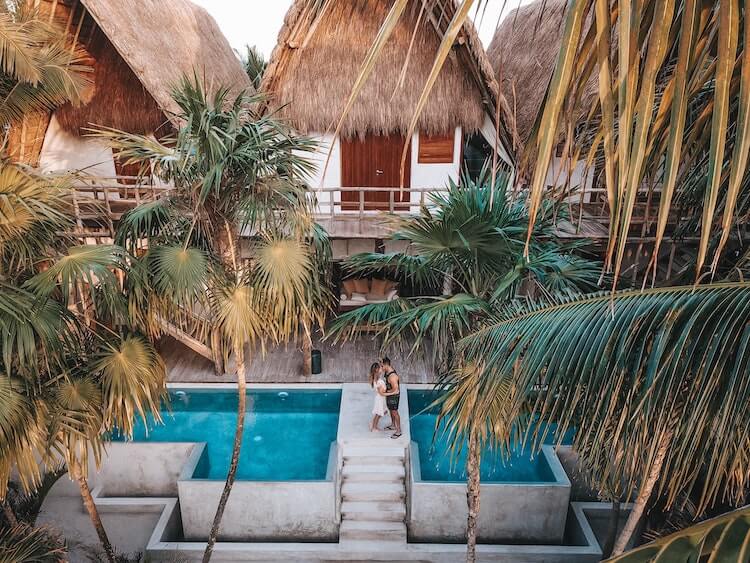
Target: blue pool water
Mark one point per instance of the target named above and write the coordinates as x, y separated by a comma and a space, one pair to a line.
438, 463
287, 437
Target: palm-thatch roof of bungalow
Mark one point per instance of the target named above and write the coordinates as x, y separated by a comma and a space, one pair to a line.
523, 54
161, 41
322, 45
138, 50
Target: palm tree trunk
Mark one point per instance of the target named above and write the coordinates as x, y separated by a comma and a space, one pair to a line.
216, 351
472, 498
88, 502
10, 516
644, 494
306, 352
241, 403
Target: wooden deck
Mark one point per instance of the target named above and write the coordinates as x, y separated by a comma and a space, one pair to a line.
342, 363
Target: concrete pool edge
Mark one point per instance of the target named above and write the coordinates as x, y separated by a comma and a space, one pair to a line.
257, 510
437, 510
162, 545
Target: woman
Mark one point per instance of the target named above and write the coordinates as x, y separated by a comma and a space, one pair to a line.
379, 408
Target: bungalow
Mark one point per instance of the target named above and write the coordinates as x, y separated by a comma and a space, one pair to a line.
523, 53
311, 75
138, 50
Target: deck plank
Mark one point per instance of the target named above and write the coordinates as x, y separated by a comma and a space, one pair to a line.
347, 362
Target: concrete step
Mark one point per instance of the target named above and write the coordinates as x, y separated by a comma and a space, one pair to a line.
365, 492
373, 511
366, 530
354, 471
363, 550
375, 455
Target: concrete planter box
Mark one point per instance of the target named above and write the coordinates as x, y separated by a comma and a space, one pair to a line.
260, 510
510, 512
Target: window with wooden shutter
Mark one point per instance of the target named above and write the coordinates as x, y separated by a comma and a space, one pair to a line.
435, 149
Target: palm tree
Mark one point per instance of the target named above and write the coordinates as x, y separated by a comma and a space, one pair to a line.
234, 238
655, 384
38, 69
73, 367
467, 247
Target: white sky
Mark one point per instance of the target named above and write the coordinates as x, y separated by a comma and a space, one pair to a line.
257, 22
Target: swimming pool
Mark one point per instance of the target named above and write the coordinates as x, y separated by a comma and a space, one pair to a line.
288, 433
438, 463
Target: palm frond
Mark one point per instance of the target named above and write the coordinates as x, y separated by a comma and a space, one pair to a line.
26, 544
179, 272
661, 365
22, 434
86, 271
239, 317
31, 329
33, 210
725, 538
255, 65
133, 379
143, 223
673, 90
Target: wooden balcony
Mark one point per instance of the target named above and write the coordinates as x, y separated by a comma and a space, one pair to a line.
358, 212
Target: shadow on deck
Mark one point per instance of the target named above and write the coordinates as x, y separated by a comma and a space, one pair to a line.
347, 362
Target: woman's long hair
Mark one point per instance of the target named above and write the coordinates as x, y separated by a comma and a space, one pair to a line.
374, 373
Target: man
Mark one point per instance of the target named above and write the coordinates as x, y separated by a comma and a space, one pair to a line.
392, 396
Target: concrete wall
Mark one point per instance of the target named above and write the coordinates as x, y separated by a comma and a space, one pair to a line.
144, 469
260, 510
512, 512
580, 547
581, 177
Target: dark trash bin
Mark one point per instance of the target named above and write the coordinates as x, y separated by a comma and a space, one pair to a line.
317, 362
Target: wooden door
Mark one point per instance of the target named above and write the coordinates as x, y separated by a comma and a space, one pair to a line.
374, 162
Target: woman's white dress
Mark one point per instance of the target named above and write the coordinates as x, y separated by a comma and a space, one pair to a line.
379, 406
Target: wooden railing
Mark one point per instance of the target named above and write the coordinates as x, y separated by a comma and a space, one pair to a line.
359, 201
99, 203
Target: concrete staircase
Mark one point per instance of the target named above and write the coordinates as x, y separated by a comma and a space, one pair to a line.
373, 496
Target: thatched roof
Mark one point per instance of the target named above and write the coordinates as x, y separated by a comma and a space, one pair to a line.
139, 50
523, 53
318, 56
162, 40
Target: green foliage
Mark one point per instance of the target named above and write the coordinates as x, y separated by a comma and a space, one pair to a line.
469, 240
255, 65
726, 538
25, 544
38, 69
72, 367
630, 373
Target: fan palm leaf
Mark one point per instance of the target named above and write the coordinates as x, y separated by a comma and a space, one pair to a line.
32, 213
22, 434
179, 272
76, 421
239, 316
31, 328
133, 379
